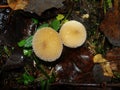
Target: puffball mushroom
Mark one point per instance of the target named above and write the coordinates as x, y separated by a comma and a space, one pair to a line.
73, 34
47, 44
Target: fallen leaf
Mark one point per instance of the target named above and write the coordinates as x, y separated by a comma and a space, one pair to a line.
17, 4
39, 6
110, 25
34, 6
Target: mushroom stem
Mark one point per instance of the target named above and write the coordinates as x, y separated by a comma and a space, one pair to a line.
4, 6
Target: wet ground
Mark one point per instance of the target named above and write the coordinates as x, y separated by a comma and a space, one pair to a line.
74, 66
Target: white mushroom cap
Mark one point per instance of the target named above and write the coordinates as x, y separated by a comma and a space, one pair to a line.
73, 34
47, 44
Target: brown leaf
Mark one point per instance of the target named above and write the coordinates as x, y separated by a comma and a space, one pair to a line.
39, 6
110, 26
113, 54
34, 6
74, 65
17, 4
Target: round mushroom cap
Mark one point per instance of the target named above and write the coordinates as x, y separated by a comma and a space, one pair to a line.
73, 34
47, 44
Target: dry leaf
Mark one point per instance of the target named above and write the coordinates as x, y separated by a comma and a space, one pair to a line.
17, 4
34, 6
98, 58
39, 6
110, 25
107, 70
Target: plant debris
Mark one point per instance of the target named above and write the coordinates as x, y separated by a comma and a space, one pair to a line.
35, 6
110, 26
107, 70
94, 64
78, 63
17, 4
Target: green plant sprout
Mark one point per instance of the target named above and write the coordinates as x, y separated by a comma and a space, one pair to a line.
35, 21
7, 51
27, 43
107, 4
55, 23
26, 78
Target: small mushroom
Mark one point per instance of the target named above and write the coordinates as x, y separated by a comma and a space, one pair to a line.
47, 44
73, 34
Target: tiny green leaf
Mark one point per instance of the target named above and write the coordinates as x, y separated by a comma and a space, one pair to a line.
26, 78
43, 25
27, 52
52, 78
60, 17
55, 24
28, 42
35, 21
43, 84
7, 51
21, 43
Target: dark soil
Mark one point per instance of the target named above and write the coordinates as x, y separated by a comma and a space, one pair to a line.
74, 69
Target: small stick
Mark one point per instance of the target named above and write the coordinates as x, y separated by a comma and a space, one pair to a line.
103, 85
4, 6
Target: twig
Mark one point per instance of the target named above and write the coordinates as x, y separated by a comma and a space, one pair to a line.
4, 6
103, 85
